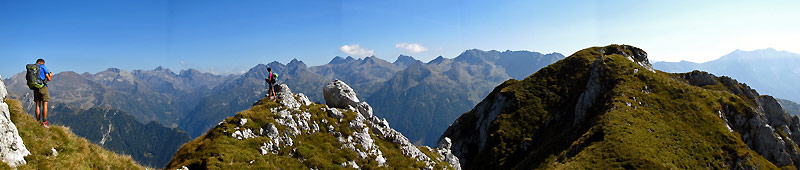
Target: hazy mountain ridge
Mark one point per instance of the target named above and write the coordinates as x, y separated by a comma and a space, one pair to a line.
770, 71
790, 107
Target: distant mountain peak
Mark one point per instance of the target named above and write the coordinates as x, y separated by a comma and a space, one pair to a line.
404, 60
758, 54
296, 64
337, 60
437, 60
115, 70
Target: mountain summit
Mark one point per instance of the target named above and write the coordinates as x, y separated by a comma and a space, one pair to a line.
602, 108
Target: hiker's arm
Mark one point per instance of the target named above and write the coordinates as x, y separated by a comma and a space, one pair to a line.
48, 76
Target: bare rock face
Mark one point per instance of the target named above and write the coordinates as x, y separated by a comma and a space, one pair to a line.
12, 150
467, 142
338, 94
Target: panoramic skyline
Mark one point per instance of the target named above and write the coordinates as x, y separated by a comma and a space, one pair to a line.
230, 37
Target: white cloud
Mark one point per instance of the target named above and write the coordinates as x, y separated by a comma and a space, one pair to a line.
411, 48
356, 50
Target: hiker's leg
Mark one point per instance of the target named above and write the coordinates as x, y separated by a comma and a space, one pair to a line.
38, 103
44, 111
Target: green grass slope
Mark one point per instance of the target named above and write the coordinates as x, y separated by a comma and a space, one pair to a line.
73, 152
638, 120
217, 149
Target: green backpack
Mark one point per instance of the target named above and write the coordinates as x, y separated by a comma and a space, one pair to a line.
32, 77
274, 78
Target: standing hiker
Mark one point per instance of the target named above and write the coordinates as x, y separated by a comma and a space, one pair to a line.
37, 77
271, 79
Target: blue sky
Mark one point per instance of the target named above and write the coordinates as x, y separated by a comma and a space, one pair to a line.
233, 36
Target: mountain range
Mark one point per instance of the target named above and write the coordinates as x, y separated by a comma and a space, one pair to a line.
194, 101
601, 107
384, 84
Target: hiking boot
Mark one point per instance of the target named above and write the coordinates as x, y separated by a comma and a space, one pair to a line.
45, 124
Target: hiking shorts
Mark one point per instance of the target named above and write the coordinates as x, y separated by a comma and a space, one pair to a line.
41, 94
271, 86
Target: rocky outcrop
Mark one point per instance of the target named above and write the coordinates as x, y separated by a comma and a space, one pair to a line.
12, 150
340, 95
592, 91
699, 78
770, 131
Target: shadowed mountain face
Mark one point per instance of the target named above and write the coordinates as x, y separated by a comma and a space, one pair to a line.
150, 144
770, 71
602, 108
791, 107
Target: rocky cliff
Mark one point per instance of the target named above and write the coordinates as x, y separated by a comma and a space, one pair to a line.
605, 107
294, 133
12, 148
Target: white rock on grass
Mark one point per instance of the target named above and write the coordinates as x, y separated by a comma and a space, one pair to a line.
303, 99
339, 94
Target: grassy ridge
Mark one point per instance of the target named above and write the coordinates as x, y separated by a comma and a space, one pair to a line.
73, 152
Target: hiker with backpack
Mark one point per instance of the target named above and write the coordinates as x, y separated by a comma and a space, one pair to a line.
37, 77
271, 79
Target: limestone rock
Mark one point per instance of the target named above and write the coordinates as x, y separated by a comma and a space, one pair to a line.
339, 94
55, 153
12, 150
364, 109
271, 131
446, 154
286, 97
303, 99
593, 90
